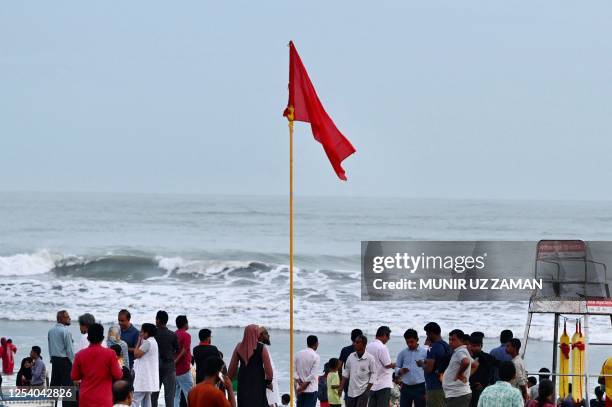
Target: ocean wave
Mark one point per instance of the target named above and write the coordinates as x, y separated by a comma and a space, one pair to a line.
120, 267
196, 268
322, 305
141, 266
232, 293
28, 264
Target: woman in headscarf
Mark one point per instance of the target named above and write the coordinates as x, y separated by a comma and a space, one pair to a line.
114, 338
251, 361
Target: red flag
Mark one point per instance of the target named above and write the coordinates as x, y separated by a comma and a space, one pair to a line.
304, 106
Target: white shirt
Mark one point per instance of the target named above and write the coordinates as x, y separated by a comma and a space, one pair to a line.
452, 387
520, 379
533, 392
306, 368
83, 343
146, 368
360, 371
272, 395
384, 375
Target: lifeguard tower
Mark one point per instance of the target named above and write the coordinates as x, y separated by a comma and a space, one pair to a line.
575, 286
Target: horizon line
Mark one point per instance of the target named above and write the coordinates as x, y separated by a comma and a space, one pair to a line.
357, 196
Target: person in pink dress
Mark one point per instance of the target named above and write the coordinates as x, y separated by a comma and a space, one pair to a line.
8, 355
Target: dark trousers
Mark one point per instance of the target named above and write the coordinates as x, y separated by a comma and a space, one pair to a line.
167, 378
307, 399
475, 397
380, 398
359, 401
461, 401
412, 393
60, 376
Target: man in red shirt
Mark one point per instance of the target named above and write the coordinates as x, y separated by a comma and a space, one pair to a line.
206, 393
96, 368
182, 362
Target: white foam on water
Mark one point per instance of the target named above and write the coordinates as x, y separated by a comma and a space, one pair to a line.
170, 263
24, 264
224, 296
199, 268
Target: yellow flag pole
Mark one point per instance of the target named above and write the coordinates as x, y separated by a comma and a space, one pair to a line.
291, 350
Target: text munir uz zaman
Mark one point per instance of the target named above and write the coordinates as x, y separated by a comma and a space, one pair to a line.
457, 264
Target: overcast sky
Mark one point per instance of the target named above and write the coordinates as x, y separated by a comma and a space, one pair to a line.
449, 98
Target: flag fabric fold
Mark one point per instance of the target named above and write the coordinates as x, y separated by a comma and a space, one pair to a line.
304, 106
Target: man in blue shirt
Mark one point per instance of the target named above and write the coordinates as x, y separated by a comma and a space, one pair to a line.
434, 365
38, 367
413, 377
499, 353
61, 352
129, 333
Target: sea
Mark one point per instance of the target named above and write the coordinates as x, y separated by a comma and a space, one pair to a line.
223, 262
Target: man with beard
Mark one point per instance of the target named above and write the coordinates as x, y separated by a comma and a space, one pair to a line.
272, 395
61, 352
483, 375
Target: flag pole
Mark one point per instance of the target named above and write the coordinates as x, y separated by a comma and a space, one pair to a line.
291, 350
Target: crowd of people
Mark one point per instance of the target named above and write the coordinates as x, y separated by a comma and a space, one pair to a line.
128, 366
457, 373
123, 365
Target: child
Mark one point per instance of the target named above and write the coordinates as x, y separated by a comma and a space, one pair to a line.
24, 376
285, 399
333, 383
322, 392
532, 387
396, 390
598, 401
127, 376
